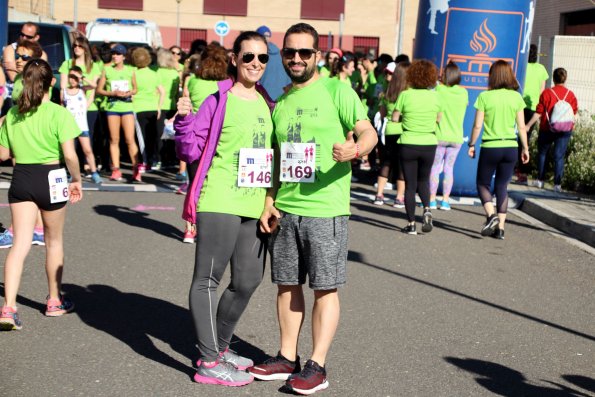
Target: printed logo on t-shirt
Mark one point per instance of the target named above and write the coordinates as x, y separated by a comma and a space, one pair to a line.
294, 134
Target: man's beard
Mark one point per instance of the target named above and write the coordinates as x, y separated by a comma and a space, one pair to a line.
302, 76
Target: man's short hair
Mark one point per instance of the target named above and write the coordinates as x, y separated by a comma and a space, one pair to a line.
33, 25
302, 28
560, 76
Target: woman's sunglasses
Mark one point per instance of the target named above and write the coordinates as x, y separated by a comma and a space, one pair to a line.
249, 57
304, 53
77, 45
176, 53
23, 57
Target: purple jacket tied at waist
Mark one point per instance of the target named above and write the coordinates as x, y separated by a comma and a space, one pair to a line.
192, 132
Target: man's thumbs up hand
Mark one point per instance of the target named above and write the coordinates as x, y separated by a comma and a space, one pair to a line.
347, 150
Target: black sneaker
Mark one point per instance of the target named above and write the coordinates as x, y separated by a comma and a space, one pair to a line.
498, 233
427, 226
276, 368
490, 226
310, 380
409, 229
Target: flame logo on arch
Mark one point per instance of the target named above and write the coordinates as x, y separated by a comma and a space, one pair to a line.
484, 41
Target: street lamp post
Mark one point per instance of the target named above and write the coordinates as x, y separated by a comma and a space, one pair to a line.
178, 22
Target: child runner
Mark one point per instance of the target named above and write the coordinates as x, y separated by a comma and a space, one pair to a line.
40, 136
454, 98
77, 103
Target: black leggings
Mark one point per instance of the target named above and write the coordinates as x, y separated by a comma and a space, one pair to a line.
502, 162
390, 167
148, 126
223, 239
416, 162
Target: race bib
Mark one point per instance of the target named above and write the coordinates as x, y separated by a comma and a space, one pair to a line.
58, 182
119, 85
298, 162
254, 169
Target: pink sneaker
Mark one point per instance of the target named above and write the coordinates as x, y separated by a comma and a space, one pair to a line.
136, 177
9, 319
58, 307
189, 236
142, 168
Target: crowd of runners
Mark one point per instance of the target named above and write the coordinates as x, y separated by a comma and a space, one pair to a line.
264, 140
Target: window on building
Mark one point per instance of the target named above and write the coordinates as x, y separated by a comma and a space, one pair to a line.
325, 42
579, 23
366, 45
226, 7
80, 26
187, 36
132, 5
322, 9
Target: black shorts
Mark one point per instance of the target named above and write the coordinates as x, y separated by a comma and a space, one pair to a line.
30, 183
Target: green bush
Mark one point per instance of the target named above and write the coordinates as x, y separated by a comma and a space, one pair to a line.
579, 172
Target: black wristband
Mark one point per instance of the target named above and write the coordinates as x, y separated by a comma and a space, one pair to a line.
470, 144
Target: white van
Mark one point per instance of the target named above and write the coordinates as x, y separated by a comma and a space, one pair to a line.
130, 32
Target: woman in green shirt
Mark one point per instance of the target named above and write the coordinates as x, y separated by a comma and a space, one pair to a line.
39, 135
344, 67
498, 109
118, 84
169, 78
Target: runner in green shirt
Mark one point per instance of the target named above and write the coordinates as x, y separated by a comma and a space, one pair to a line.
40, 136
498, 109
315, 125
118, 84
454, 99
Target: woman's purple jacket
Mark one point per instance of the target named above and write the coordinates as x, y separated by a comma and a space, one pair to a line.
192, 132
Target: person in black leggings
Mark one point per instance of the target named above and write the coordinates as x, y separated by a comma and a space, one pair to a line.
420, 109
498, 109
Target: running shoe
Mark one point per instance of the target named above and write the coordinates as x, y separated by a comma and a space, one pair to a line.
433, 205
399, 203
490, 225
538, 184
498, 233
427, 225
310, 380
58, 307
156, 166
6, 239
558, 188
38, 238
96, 178
365, 165
276, 368
9, 319
379, 200
409, 229
142, 168
521, 179
221, 373
189, 236
445, 206
182, 189
116, 175
181, 176
136, 177
241, 363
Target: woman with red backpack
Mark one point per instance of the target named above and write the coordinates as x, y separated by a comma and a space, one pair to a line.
559, 105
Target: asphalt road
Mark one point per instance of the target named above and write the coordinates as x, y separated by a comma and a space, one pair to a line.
442, 314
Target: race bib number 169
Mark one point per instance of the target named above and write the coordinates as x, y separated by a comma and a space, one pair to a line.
298, 162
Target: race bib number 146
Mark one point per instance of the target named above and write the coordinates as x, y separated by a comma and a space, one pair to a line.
255, 167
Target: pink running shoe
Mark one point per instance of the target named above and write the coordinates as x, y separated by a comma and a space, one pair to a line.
136, 177
189, 236
183, 189
116, 175
221, 373
58, 307
9, 319
142, 168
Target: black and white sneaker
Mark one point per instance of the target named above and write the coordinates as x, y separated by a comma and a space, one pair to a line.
490, 225
498, 234
427, 225
409, 229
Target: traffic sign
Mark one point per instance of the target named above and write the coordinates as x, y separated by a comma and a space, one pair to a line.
222, 28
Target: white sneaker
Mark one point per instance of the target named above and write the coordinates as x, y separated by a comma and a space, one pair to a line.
558, 188
537, 183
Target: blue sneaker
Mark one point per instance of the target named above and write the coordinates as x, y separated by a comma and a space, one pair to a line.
6, 239
96, 178
444, 206
433, 205
181, 176
38, 239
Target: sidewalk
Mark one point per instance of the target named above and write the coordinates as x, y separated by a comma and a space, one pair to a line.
567, 212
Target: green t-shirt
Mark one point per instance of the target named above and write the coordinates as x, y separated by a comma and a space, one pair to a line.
146, 98
392, 127
247, 124
17, 88
454, 104
170, 81
323, 112
200, 89
535, 76
419, 109
93, 75
324, 71
112, 75
36, 137
500, 108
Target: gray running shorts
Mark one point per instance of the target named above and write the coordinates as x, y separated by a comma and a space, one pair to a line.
316, 247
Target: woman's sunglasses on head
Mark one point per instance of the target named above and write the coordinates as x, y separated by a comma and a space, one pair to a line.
304, 53
249, 57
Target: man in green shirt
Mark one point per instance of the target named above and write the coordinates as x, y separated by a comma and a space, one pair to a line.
307, 210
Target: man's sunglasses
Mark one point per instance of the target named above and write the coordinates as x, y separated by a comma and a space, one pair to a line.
249, 57
23, 57
27, 36
304, 53
74, 76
